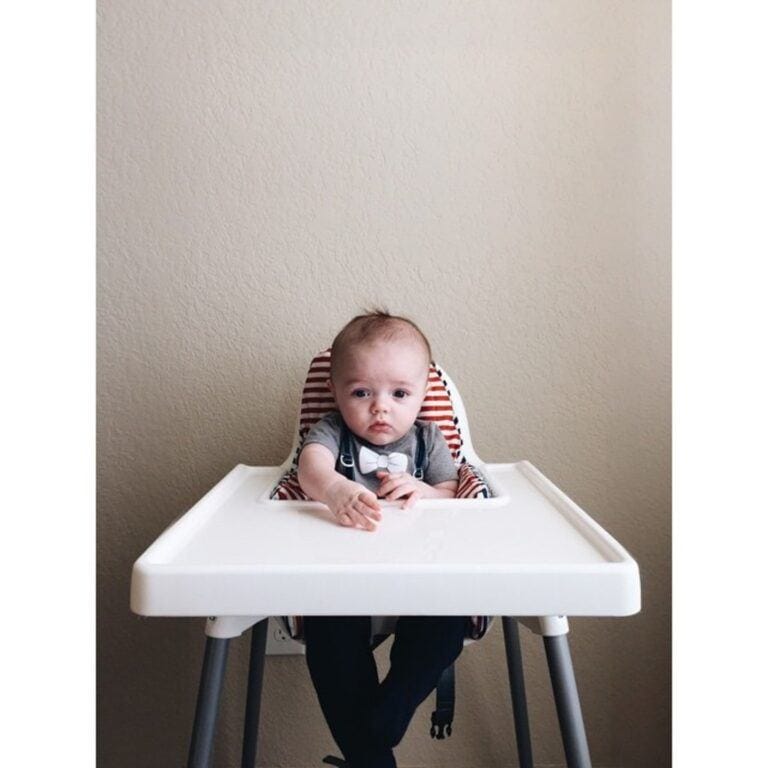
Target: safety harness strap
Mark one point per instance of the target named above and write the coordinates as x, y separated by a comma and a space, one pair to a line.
442, 717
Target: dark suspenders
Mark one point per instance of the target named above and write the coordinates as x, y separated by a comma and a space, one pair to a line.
345, 453
347, 459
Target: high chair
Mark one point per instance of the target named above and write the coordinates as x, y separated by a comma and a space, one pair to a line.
255, 547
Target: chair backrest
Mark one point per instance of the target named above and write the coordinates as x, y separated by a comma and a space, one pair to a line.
442, 405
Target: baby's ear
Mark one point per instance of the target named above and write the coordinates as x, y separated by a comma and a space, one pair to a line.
329, 384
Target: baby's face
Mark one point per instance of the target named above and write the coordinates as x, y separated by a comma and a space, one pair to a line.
379, 391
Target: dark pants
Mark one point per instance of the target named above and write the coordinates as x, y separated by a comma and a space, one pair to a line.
367, 719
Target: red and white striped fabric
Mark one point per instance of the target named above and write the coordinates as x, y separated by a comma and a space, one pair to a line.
317, 401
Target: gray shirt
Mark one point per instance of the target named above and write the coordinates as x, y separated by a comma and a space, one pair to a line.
439, 466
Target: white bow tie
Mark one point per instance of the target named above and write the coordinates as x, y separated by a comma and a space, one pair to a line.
369, 461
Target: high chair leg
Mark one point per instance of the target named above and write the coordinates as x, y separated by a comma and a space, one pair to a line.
517, 689
253, 700
207, 709
567, 701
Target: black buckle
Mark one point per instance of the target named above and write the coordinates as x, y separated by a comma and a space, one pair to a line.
440, 728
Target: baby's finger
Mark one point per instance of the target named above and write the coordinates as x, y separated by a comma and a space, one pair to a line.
399, 493
369, 500
356, 520
345, 520
399, 489
411, 500
384, 476
389, 485
350, 518
364, 515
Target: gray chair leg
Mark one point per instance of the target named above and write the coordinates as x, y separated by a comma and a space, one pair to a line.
567, 702
517, 689
253, 700
208, 696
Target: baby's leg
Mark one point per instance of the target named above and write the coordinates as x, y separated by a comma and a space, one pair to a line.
423, 647
343, 671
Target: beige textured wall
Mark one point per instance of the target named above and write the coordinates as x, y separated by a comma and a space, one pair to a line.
499, 171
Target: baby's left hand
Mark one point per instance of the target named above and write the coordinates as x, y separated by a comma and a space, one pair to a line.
397, 485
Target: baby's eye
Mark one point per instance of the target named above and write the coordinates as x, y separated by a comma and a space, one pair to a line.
400, 394
360, 393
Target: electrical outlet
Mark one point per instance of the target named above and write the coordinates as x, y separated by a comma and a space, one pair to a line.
279, 642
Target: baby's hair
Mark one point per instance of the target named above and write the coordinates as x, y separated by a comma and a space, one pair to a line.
375, 325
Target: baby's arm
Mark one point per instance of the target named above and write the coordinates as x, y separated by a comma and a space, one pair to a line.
446, 490
351, 503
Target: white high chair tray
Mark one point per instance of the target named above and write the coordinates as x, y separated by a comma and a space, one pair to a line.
529, 552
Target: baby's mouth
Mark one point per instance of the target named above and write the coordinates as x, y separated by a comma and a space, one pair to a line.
380, 426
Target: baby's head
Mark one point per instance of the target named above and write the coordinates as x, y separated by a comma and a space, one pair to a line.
379, 372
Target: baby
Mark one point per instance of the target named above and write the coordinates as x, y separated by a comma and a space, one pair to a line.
373, 446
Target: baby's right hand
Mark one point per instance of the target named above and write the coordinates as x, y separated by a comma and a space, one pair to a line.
353, 505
